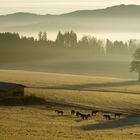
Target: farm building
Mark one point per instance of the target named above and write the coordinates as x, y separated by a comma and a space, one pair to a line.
11, 89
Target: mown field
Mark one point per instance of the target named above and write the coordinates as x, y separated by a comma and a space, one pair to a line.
34, 117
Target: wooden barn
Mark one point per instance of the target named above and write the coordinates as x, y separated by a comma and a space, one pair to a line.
11, 89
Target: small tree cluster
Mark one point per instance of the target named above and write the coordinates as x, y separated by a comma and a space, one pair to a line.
93, 43
42, 36
68, 39
135, 64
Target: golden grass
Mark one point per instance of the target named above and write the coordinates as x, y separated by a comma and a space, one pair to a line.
41, 122
30, 123
40, 79
125, 103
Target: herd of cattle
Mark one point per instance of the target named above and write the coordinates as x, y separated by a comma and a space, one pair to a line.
107, 116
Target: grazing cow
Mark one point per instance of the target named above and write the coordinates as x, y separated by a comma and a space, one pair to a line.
107, 117
59, 112
73, 112
94, 112
78, 114
117, 114
85, 116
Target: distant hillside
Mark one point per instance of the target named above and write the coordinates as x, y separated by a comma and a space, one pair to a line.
119, 11
124, 18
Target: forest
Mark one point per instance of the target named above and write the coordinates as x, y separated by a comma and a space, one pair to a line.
69, 40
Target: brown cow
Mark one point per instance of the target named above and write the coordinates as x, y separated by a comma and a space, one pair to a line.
78, 114
59, 112
85, 116
73, 112
94, 112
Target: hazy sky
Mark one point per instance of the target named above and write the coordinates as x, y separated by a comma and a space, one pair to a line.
57, 6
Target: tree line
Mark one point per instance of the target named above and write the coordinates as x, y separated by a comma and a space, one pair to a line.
69, 40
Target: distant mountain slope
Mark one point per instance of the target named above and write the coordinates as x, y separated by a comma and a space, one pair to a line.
119, 10
124, 18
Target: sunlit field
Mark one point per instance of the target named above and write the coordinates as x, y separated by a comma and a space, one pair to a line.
33, 117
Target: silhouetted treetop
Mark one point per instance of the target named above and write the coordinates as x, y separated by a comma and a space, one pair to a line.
69, 39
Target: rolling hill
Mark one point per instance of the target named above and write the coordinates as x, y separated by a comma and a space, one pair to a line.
124, 18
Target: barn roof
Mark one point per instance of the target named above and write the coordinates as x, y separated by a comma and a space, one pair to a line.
4, 86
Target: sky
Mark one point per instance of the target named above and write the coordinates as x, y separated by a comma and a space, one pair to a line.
57, 6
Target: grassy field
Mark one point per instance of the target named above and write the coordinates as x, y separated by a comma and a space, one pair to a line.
35, 119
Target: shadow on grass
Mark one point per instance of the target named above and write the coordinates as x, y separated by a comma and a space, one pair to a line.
92, 85
33, 100
22, 101
123, 122
97, 86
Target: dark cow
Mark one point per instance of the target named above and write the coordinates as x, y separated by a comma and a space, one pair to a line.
85, 116
73, 112
107, 117
94, 112
78, 114
117, 114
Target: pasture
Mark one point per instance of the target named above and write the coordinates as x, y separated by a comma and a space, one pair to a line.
34, 117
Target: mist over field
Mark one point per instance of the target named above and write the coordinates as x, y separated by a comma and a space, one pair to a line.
87, 56
69, 76
116, 23
81, 62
